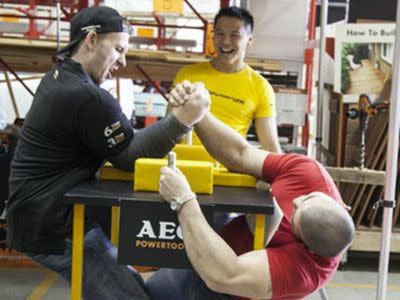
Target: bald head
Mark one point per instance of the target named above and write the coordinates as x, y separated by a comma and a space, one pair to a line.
323, 225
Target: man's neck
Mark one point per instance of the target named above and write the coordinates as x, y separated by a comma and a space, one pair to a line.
227, 67
82, 61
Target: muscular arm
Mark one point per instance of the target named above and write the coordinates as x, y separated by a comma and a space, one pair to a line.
217, 264
267, 134
229, 148
154, 141
158, 139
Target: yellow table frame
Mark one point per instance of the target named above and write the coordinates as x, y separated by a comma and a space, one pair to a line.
78, 238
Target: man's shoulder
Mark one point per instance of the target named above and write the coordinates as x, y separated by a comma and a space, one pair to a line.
301, 162
300, 171
193, 72
255, 76
294, 158
83, 90
288, 163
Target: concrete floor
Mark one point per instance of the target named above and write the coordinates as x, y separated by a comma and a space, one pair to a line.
356, 282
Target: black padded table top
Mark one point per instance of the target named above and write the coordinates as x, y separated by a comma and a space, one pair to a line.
111, 193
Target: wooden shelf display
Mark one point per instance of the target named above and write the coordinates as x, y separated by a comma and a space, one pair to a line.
361, 189
24, 55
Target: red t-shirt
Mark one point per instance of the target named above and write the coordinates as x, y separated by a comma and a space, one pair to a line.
295, 271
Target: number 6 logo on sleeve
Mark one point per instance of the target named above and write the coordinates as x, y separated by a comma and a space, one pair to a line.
110, 129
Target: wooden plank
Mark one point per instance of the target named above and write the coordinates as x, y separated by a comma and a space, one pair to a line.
20, 42
368, 199
375, 131
138, 16
264, 64
370, 241
24, 78
356, 175
37, 56
328, 156
155, 70
368, 190
376, 146
375, 135
187, 58
363, 187
362, 207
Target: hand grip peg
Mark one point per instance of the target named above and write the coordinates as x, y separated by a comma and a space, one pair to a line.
172, 160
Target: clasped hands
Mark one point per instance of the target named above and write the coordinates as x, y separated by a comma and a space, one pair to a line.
190, 102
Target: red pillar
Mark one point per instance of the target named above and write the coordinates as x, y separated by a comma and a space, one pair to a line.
32, 32
224, 3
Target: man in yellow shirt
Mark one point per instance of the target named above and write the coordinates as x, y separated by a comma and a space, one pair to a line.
238, 93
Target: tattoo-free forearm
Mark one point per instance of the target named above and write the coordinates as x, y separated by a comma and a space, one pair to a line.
217, 264
211, 257
222, 142
267, 134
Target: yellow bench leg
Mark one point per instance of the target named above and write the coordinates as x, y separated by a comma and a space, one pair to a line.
114, 225
77, 251
259, 232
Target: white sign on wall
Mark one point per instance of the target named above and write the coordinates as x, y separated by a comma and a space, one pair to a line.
363, 58
291, 106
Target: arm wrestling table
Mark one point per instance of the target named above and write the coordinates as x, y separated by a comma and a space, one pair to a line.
120, 194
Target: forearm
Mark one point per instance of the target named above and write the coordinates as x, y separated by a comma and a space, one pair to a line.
217, 264
271, 145
153, 141
214, 260
211, 257
222, 142
267, 134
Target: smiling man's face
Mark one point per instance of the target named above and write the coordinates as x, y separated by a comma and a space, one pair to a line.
109, 55
231, 38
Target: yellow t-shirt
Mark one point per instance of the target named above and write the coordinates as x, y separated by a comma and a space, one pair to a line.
236, 98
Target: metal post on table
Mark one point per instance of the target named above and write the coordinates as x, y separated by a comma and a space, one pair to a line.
189, 138
391, 168
321, 81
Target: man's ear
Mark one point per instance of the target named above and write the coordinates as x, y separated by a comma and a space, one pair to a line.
251, 39
91, 40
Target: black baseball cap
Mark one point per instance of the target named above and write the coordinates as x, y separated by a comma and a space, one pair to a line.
100, 19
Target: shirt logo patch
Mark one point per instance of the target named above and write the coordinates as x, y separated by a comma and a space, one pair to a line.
55, 74
111, 128
236, 100
90, 28
119, 138
111, 142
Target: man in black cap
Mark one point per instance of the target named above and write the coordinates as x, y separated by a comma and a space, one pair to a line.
72, 127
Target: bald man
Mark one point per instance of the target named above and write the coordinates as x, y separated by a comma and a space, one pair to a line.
302, 255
